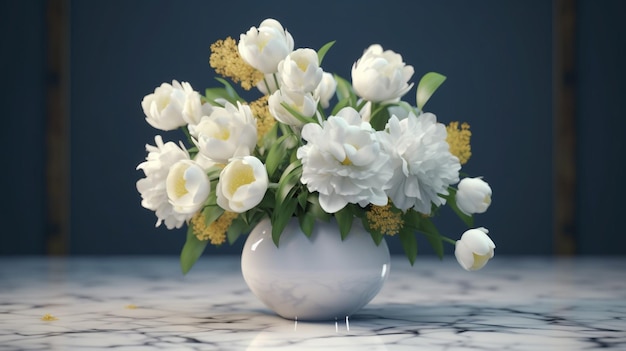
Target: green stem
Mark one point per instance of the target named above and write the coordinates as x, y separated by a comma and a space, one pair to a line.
445, 238
276, 81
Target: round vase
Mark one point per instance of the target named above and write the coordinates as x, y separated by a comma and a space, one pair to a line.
320, 277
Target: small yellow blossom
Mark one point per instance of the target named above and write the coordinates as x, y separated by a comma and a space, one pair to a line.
131, 307
48, 317
226, 61
264, 119
384, 220
216, 231
459, 141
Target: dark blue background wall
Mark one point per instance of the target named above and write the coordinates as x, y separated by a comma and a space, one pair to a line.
497, 56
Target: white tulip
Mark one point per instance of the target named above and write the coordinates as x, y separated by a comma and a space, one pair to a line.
164, 107
473, 195
194, 109
304, 103
326, 89
300, 71
187, 187
242, 184
474, 249
161, 157
265, 47
228, 132
381, 75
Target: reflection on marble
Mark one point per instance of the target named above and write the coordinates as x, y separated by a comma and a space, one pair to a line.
144, 303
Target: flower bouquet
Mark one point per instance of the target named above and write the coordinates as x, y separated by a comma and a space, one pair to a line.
313, 146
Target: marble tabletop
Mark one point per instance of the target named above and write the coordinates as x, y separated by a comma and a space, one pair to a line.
145, 303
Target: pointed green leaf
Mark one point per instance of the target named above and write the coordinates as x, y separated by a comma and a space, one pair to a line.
213, 94
233, 97
288, 181
380, 117
211, 214
281, 216
276, 155
307, 222
316, 209
323, 50
344, 219
237, 227
427, 87
433, 236
417, 222
345, 91
409, 243
192, 250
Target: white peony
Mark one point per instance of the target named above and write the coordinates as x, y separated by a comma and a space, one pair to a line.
473, 195
265, 47
164, 107
381, 75
153, 187
344, 162
422, 164
187, 187
474, 249
228, 132
242, 184
304, 103
325, 90
300, 71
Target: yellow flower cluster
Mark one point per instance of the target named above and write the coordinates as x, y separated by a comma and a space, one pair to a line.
459, 141
264, 119
48, 318
226, 61
383, 220
216, 231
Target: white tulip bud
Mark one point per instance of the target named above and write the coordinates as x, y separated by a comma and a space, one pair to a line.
474, 249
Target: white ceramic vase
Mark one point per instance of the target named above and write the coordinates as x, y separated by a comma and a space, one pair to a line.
312, 278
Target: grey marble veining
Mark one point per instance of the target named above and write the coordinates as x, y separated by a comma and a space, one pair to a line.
144, 303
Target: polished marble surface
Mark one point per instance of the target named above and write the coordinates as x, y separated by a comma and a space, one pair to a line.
144, 303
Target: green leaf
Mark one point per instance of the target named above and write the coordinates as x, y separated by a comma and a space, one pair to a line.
433, 236
316, 209
276, 155
307, 222
281, 216
237, 227
376, 235
344, 219
416, 221
211, 213
451, 201
427, 87
340, 104
297, 114
214, 94
380, 117
233, 97
303, 198
409, 243
288, 180
192, 250
345, 91
323, 50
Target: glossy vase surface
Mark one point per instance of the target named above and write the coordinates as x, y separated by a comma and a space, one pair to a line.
319, 277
